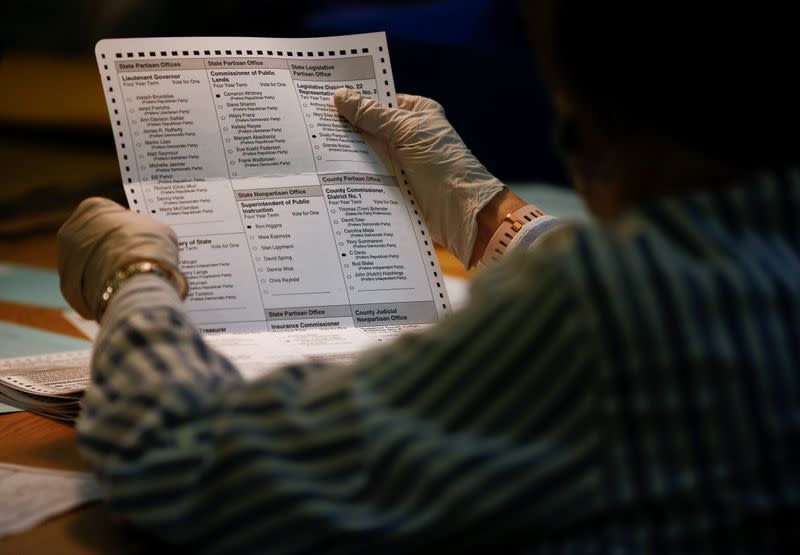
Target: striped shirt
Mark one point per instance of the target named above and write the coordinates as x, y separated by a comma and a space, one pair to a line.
623, 388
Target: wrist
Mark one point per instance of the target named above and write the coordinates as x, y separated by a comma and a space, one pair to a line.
117, 281
491, 217
509, 232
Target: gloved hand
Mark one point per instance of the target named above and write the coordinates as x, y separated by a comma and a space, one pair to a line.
101, 237
450, 184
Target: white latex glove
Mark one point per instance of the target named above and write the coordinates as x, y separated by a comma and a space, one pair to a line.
450, 184
101, 237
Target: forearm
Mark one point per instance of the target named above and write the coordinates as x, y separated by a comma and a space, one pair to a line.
365, 460
492, 215
489, 219
151, 372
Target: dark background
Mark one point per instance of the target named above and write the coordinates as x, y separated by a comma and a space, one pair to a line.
55, 143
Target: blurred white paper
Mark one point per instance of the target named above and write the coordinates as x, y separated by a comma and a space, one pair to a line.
89, 328
29, 495
457, 290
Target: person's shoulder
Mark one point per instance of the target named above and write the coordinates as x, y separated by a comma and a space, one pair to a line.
570, 246
588, 258
545, 264
571, 257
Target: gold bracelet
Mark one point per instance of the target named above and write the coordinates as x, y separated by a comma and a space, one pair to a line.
173, 275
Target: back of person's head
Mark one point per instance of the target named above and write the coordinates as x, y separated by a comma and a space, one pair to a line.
717, 78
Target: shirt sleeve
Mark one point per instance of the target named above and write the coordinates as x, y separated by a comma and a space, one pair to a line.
477, 430
532, 231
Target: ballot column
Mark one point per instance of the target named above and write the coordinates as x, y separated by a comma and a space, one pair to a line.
175, 170
287, 228
378, 237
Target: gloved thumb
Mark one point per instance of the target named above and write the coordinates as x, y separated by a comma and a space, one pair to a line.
370, 116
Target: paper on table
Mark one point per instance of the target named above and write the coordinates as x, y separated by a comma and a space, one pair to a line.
48, 384
16, 340
29, 495
254, 354
258, 354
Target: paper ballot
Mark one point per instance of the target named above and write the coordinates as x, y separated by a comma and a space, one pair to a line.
288, 219
29, 495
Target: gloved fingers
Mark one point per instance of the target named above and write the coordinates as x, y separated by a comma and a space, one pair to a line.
133, 241
97, 239
93, 218
76, 239
416, 103
382, 148
368, 115
121, 239
88, 210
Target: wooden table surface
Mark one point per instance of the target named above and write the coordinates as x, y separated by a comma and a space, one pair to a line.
29, 439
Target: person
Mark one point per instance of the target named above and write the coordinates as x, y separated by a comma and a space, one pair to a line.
627, 385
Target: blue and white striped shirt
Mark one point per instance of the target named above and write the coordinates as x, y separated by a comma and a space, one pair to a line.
624, 388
